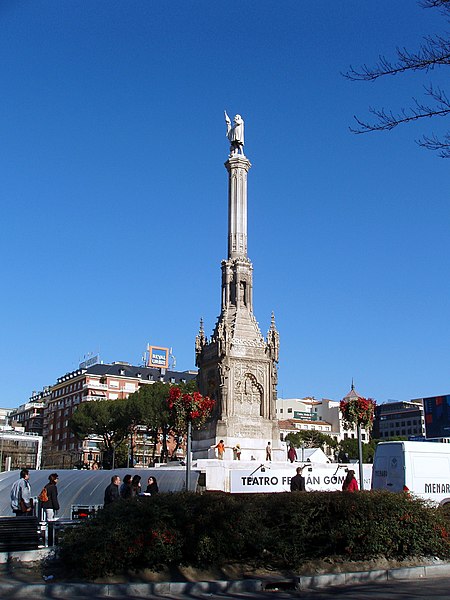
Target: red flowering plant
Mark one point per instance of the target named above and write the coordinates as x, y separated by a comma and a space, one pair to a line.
188, 407
358, 411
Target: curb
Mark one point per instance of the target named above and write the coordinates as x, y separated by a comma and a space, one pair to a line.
68, 590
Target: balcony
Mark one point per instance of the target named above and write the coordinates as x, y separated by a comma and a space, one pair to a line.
91, 398
95, 385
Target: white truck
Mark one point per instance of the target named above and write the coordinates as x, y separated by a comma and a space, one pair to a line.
422, 468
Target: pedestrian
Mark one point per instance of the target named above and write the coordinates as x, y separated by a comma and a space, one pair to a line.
268, 451
298, 481
112, 493
21, 500
292, 453
125, 488
350, 484
152, 486
220, 450
51, 504
135, 486
237, 452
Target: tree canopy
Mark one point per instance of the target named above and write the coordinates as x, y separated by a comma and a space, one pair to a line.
310, 439
432, 53
104, 418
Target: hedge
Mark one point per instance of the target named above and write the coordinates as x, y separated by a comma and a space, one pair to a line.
265, 530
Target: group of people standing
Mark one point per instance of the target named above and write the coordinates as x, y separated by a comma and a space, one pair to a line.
298, 482
22, 500
220, 447
130, 488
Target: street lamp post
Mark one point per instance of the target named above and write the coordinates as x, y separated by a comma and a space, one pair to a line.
188, 455
360, 458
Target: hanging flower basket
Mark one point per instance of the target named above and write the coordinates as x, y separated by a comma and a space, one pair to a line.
185, 408
358, 411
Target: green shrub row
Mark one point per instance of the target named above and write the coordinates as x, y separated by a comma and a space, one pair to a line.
265, 530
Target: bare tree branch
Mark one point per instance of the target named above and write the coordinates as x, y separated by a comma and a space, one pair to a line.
433, 52
441, 146
388, 120
445, 4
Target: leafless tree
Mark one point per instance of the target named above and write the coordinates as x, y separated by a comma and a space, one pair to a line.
432, 53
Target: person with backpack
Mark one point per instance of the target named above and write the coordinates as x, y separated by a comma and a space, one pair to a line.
21, 500
49, 497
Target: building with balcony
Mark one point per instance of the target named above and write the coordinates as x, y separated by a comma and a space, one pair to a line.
115, 381
30, 416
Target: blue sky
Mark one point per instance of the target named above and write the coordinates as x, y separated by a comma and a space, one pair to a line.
114, 193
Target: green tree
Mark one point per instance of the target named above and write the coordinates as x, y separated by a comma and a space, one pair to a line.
147, 407
432, 53
310, 439
349, 447
102, 418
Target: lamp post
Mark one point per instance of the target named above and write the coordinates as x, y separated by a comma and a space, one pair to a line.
188, 455
360, 458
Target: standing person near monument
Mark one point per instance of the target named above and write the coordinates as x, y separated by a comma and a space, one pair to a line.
298, 481
220, 450
292, 453
152, 486
51, 505
21, 500
112, 493
350, 484
268, 451
237, 452
125, 488
135, 486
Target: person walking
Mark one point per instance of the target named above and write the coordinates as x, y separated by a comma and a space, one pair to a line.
125, 488
350, 484
268, 452
51, 505
292, 453
21, 500
152, 486
112, 493
298, 481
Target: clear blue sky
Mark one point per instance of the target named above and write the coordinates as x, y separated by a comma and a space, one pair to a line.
114, 193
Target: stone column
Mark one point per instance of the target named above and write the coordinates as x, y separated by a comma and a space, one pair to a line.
237, 167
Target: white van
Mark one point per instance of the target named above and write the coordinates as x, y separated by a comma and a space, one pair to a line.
423, 468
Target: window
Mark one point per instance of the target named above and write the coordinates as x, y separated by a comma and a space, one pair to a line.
281, 410
289, 410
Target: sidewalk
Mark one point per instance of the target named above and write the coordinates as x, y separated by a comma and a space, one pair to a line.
55, 589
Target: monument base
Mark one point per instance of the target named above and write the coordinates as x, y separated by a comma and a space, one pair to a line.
251, 449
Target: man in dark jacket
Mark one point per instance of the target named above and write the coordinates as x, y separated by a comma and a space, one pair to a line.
51, 505
298, 481
112, 491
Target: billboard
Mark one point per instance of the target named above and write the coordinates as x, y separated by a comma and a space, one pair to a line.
437, 416
158, 357
89, 361
323, 477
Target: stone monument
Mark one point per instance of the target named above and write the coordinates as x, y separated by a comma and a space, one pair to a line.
237, 366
